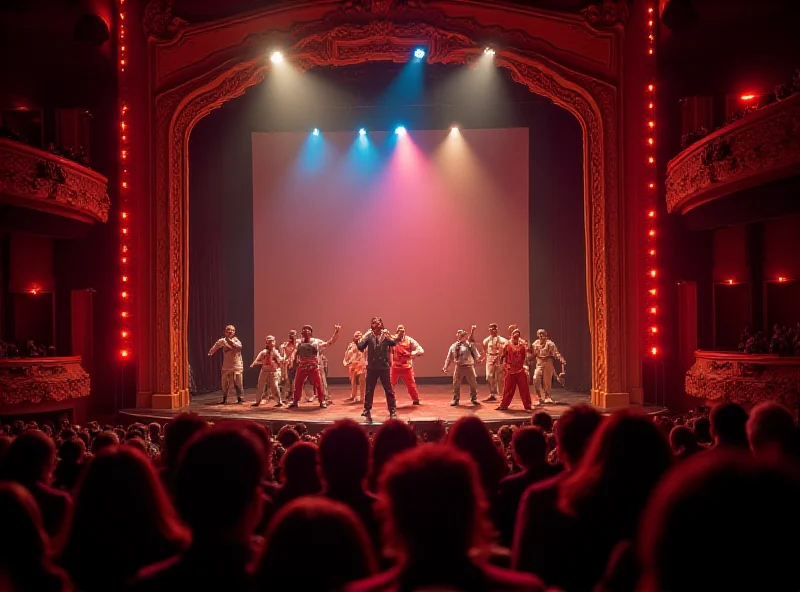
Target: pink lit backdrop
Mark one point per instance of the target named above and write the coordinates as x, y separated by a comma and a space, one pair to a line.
428, 229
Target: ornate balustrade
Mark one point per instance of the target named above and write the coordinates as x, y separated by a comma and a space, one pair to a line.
744, 378
36, 179
40, 380
762, 147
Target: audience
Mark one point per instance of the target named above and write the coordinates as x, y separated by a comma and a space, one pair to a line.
29, 461
435, 518
344, 462
569, 502
327, 533
24, 547
120, 496
529, 446
218, 495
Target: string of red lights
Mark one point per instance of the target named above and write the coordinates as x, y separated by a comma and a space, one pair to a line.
652, 342
126, 340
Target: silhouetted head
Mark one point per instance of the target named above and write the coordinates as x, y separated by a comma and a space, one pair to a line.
30, 459
772, 432
573, 430
472, 436
728, 425
344, 454
177, 433
543, 420
530, 447
392, 438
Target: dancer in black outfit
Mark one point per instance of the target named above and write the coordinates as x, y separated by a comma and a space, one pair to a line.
377, 343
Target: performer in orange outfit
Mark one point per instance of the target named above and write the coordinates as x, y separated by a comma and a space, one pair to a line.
356, 363
403, 355
515, 352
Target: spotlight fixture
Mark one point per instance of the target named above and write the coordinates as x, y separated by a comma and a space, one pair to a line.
488, 51
276, 57
400, 130
454, 129
419, 53
362, 132
315, 131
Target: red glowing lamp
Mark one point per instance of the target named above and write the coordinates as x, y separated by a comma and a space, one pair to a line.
652, 292
124, 353
781, 279
653, 351
653, 310
748, 97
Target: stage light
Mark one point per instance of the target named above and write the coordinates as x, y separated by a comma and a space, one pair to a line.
488, 51
781, 279
419, 53
362, 132
730, 282
315, 131
276, 57
748, 97
400, 130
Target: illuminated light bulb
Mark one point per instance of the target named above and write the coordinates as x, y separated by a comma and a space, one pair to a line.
124, 278
653, 329
652, 185
124, 214
419, 53
650, 10
654, 351
124, 353
489, 51
124, 248
124, 138
649, 141
653, 310
650, 87
124, 334
652, 273
124, 231
276, 57
652, 252
650, 23
122, 15
122, 62
124, 294
123, 125
651, 160
124, 315
650, 106
781, 279
124, 184
124, 259
652, 233
652, 292
651, 214
122, 48
651, 124
650, 52
748, 97
730, 282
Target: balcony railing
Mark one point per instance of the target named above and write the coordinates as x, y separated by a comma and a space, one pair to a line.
36, 179
760, 148
744, 378
41, 380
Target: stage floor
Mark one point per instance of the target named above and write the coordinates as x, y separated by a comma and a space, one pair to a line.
435, 406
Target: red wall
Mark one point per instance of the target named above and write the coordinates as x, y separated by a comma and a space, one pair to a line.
781, 253
31, 264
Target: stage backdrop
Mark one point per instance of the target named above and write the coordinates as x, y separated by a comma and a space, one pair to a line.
427, 228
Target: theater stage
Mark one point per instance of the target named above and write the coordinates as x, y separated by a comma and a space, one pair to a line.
435, 407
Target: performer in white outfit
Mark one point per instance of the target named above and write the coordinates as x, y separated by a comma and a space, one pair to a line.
493, 350
544, 351
232, 364
288, 350
269, 378
356, 363
464, 354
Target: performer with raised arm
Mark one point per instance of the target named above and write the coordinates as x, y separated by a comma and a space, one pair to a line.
356, 363
323, 367
269, 378
463, 353
377, 343
232, 364
288, 369
403, 355
493, 349
513, 356
544, 351
308, 366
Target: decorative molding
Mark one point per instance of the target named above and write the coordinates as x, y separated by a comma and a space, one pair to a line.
159, 22
607, 13
373, 7
48, 182
744, 379
595, 103
758, 149
39, 380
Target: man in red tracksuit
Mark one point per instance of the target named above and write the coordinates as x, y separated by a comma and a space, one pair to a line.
403, 355
307, 363
514, 355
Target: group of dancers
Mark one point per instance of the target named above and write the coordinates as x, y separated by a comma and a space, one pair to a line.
378, 355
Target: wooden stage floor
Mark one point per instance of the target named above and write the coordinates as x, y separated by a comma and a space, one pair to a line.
435, 406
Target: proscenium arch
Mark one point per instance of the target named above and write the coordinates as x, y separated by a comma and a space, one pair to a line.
593, 102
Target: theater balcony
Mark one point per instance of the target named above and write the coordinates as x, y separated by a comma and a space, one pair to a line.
746, 379
41, 384
761, 150
35, 179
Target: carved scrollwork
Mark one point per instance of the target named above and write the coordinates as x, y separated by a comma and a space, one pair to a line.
29, 173
607, 13
159, 22
37, 381
767, 143
745, 381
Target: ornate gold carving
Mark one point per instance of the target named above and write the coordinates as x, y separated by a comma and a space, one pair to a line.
744, 379
762, 147
593, 102
379, 6
32, 380
607, 13
158, 20
34, 174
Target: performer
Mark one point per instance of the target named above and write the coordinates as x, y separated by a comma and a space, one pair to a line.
323, 368
464, 354
513, 358
356, 363
287, 350
307, 363
269, 378
493, 348
232, 364
403, 355
377, 342
544, 351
